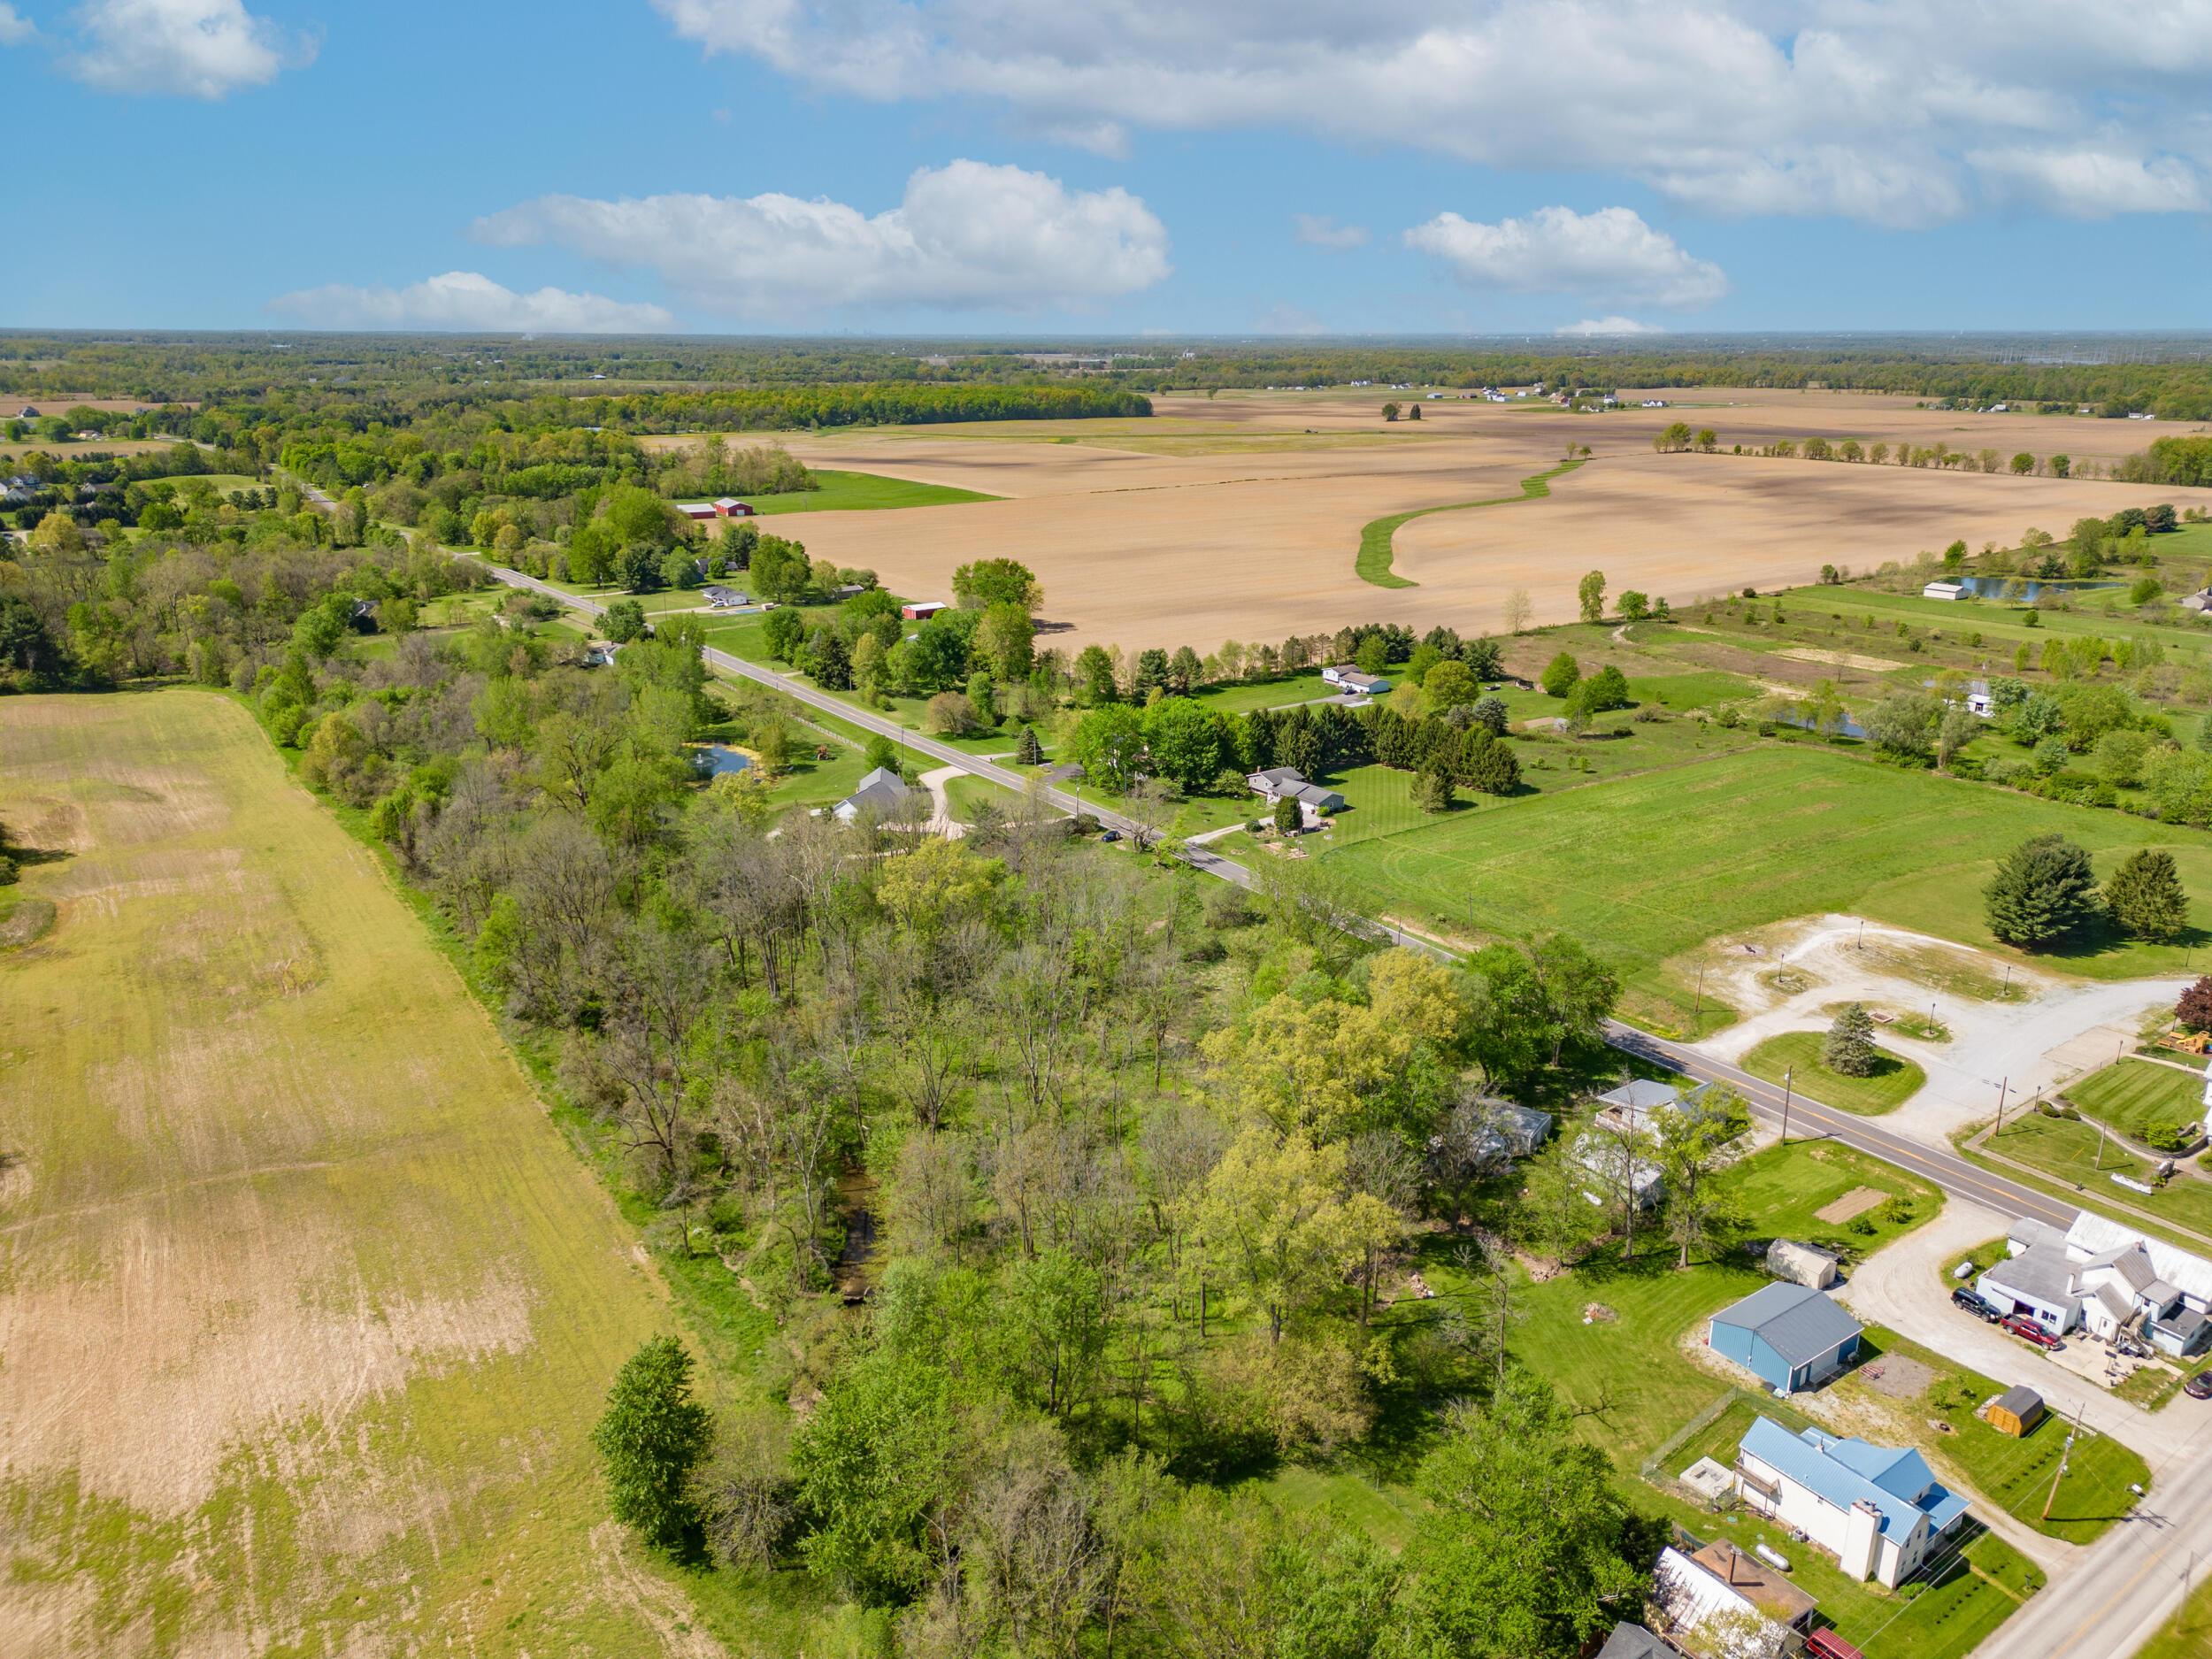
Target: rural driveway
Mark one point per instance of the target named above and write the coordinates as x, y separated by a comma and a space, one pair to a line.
940, 820
1902, 1286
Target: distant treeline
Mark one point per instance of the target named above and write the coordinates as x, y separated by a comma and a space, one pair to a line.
876, 404
2177, 390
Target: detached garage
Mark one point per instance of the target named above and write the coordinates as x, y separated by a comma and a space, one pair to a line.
1791, 1337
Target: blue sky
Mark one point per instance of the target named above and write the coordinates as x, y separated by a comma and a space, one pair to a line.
1129, 165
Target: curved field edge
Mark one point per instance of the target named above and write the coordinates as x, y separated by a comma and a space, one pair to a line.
1376, 552
354, 1388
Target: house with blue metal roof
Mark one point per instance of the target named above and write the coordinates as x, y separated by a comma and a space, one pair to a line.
1879, 1510
1789, 1336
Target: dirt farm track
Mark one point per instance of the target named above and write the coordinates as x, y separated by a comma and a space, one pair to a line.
1239, 517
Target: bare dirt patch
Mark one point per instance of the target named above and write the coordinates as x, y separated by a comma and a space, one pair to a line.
1899, 1376
1840, 659
1857, 1201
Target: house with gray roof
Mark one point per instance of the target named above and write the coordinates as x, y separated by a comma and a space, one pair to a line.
1879, 1510
1632, 1105
1633, 1642
882, 797
1789, 1336
1346, 678
1279, 783
2106, 1278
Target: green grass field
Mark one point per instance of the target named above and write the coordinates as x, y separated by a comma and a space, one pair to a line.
1265, 694
1703, 690
2078, 1160
1373, 562
1750, 837
311, 1306
2188, 1634
1894, 1080
2140, 1097
862, 492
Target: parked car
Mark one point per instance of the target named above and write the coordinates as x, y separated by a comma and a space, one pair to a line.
2198, 1387
1110, 835
2025, 1328
1975, 1305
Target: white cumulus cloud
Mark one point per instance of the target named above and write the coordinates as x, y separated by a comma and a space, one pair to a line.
964, 235
14, 27
1610, 254
199, 49
1894, 111
468, 303
1319, 231
1603, 327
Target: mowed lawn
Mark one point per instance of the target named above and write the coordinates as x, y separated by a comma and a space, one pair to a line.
307, 1308
1645, 868
2137, 1097
1894, 1080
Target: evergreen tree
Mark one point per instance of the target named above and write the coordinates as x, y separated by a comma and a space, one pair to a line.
1432, 790
1493, 769
1490, 714
1848, 1048
1288, 816
2144, 895
650, 1436
2043, 891
1027, 749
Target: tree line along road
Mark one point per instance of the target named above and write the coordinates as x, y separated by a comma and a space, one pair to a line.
1951, 1173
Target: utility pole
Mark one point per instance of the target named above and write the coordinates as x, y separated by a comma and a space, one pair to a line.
2000, 1129
1698, 1012
2063, 1458
1788, 1072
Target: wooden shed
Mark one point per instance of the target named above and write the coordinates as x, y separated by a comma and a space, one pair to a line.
2016, 1411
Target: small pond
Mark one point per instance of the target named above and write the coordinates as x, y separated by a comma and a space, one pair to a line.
711, 760
2023, 589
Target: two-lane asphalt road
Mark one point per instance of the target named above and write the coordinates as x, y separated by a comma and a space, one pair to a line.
1769, 1100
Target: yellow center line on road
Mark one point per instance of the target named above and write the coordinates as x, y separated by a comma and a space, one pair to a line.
2096, 1616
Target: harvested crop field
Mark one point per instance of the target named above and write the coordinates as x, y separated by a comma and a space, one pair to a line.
305, 1306
1240, 517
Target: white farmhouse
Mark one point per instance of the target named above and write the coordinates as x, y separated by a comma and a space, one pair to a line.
1879, 1510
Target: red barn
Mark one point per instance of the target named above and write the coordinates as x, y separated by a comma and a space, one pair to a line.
922, 610
729, 507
